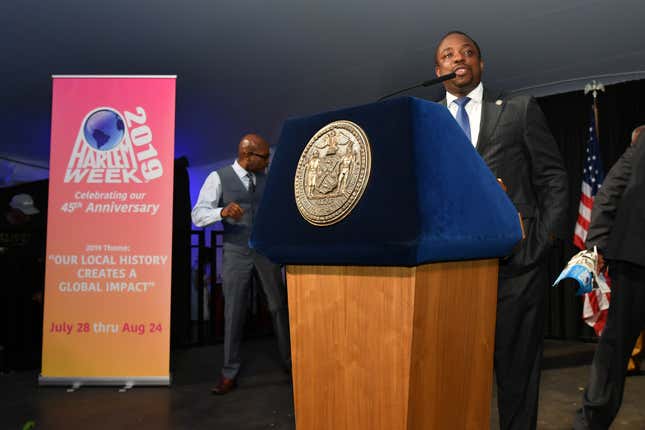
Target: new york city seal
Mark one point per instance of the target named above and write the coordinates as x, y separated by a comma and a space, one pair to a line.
332, 173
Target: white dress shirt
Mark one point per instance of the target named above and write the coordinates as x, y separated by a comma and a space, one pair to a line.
473, 109
206, 211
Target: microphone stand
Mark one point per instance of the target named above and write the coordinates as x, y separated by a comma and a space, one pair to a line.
427, 83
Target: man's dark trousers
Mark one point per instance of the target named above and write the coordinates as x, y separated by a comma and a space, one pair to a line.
604, 393
237, 269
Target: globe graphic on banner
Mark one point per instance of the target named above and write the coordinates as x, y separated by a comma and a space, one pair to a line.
104, 129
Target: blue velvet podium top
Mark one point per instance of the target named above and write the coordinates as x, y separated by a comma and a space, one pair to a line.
430, 196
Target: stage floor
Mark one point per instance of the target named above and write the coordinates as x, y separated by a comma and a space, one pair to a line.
263, 399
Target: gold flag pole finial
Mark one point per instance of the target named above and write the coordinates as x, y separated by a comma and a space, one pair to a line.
593, 87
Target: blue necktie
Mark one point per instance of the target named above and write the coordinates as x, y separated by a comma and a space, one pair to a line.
462, 115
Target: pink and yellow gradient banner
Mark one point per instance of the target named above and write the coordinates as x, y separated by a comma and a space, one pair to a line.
109, 231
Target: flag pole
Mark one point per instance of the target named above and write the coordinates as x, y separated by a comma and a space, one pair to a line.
594, 87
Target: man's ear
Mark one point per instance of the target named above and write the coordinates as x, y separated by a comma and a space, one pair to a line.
481, 64
436, 71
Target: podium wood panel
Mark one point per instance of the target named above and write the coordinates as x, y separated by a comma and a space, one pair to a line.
393, 347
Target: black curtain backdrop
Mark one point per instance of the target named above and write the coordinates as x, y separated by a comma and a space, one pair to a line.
621, 108
181, 225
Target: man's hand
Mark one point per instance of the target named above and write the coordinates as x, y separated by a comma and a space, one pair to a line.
502, 184
519, 215
232, 210
601, 263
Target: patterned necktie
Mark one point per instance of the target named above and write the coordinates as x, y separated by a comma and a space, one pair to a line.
251, 181
462, 115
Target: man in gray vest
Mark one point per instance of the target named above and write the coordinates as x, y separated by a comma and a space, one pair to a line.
231, 195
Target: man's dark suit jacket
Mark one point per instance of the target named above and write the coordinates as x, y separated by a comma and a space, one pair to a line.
606, 202
626, 239
516, 144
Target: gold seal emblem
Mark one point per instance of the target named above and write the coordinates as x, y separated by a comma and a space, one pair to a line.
332, 173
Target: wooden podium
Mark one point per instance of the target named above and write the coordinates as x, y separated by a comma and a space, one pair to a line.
393, 347
392, 313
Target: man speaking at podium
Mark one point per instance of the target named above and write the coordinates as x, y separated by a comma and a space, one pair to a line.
232, 195
512, 137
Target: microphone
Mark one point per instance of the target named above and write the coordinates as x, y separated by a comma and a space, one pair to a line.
427, 83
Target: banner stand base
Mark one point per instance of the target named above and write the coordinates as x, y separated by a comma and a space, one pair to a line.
125, 382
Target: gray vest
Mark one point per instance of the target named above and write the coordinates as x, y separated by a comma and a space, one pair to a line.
233, 190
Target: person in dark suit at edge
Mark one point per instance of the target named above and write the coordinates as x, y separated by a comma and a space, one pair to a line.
634, 364
512, 137
617, 230
607, 199
232, 195
605, 204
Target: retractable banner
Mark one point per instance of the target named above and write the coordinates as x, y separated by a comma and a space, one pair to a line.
109, 231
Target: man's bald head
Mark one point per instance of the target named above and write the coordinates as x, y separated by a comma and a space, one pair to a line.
251, 142
253, 153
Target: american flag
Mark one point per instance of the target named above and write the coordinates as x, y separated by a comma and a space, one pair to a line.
596, 303
592, 177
